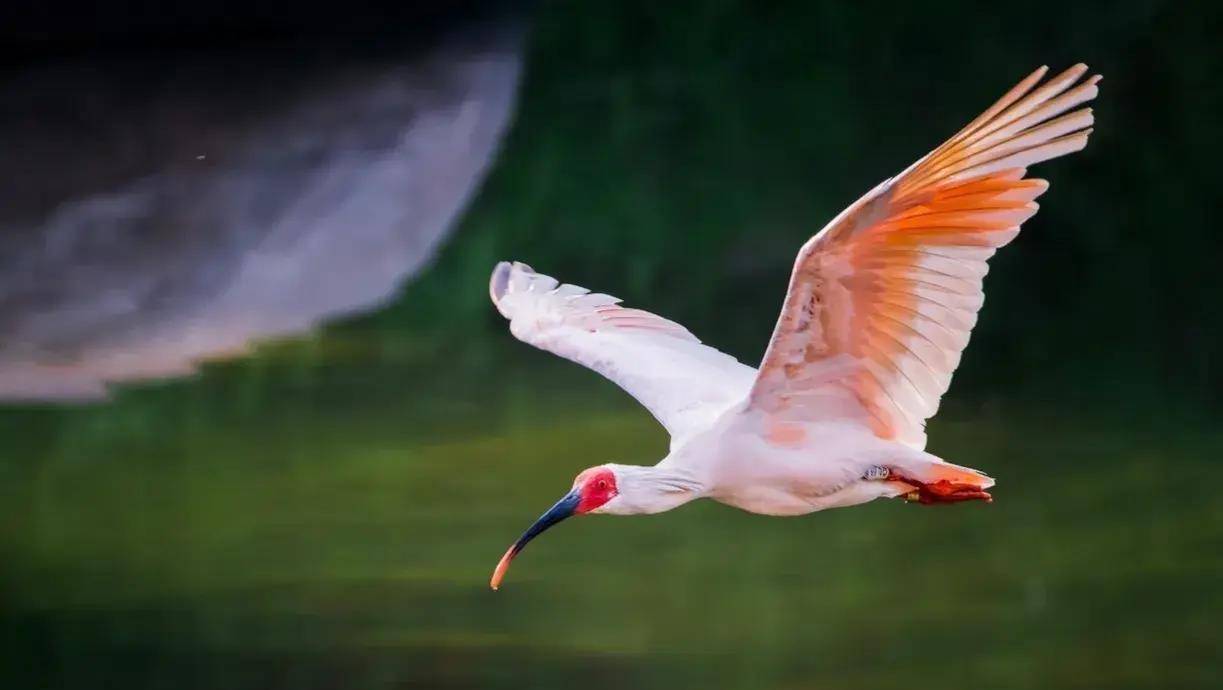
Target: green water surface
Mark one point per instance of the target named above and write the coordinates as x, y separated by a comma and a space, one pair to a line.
327, 515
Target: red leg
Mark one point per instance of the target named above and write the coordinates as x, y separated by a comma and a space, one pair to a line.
942, 491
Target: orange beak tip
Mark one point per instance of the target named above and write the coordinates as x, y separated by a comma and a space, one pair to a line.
499, 572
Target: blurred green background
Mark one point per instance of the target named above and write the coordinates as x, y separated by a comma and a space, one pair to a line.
326, 512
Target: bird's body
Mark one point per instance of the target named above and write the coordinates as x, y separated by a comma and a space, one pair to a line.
818, 465
745, 461
879, 309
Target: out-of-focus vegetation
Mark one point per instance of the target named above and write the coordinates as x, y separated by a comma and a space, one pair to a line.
678, 154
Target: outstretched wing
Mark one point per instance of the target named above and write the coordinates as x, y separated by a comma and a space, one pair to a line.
683, 383
883, 299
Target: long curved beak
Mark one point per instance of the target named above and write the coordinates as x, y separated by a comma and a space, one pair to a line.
563, 509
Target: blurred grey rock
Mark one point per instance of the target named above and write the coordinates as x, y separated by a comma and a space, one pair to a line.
154, 215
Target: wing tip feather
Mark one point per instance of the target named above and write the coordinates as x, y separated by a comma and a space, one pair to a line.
499, 284
509, 277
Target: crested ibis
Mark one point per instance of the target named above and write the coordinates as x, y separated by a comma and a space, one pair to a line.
879, 308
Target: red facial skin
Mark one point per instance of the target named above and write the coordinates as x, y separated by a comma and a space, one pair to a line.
596, 486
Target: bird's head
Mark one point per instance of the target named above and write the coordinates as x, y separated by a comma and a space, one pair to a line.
595, 490
611, 490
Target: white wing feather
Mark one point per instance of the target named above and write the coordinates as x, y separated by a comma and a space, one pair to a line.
684, 384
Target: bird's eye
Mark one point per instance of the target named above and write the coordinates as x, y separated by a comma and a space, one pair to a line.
601, 484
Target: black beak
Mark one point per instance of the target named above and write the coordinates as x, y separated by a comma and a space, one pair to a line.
563, 509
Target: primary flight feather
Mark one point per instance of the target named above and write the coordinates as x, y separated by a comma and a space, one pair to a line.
880, 306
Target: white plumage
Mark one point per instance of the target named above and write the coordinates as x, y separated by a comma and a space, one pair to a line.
683, 383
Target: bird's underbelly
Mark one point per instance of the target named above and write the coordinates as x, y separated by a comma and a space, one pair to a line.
828, 472
767, 500
777, 500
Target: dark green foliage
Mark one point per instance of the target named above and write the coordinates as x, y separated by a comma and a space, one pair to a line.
678, 154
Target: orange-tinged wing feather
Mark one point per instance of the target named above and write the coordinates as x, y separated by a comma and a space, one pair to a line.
882, 301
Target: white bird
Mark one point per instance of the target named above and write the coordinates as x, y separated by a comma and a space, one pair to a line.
880, 305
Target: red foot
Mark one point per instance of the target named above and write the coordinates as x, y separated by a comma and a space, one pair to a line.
943, 491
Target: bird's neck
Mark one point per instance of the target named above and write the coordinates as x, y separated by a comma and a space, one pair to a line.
655, 489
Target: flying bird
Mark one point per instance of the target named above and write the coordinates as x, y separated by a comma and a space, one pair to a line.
879, 308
